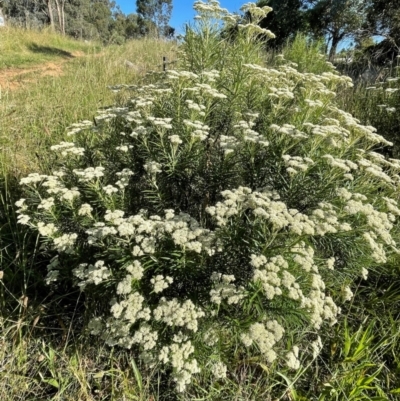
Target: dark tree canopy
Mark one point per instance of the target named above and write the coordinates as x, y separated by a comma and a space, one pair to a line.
383, 18
287, 18
333, 20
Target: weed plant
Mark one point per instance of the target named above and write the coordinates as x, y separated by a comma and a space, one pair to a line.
219, 223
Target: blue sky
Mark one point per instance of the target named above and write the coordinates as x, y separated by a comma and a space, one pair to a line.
182, 10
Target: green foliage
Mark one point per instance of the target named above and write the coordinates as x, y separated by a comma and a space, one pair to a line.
307, 54
338, 19
356, 374
286, 20
383, 18
378, 103
90, 19
156, 11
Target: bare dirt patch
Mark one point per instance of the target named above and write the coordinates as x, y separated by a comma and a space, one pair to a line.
14, 78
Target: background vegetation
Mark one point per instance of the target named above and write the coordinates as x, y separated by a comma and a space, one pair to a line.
100, 20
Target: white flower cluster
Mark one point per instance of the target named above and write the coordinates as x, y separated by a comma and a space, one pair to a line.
289, 130
347, 293
46, 204
208, 91
163, 123
275, 278
77, 128
173, 313
178, 355
326, 220
98, 232
135, 269
69, 194
313, 103
248, 134
219, 370
160, 283
47, 230
23, 219
124, 177
152, 168
125, 286
67, 149
255, 11
292, 360
223, 289
196, 106
295, 164
265, 206
374, 170
32, 178
146, 337
264, 337
185, 75
144, 233
345, 165
130, 310
175, 140
280, 93
268, 274
228, 144
379, 223
65, 243
109, 190
212, 7
201, 131
256, 29
89, 173
106, 115
91, 274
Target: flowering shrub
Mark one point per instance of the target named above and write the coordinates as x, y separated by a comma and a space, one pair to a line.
223, 212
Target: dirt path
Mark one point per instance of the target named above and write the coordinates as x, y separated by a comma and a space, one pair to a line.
14, 78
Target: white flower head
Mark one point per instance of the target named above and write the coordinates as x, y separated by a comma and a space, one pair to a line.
85, 210
175, 140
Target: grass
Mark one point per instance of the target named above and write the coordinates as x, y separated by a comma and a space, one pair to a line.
36, 366
20, 48
36, 114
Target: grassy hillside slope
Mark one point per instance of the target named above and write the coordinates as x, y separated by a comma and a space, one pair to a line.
36, 112
20, 47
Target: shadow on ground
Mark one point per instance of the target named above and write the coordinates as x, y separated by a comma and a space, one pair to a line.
51, 51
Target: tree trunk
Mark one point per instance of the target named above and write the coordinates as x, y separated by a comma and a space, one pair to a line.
335, 41
51, 16
60, 12
2, 19
63, 16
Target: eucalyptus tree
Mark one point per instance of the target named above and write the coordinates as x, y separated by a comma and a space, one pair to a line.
336, 20
157, 12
